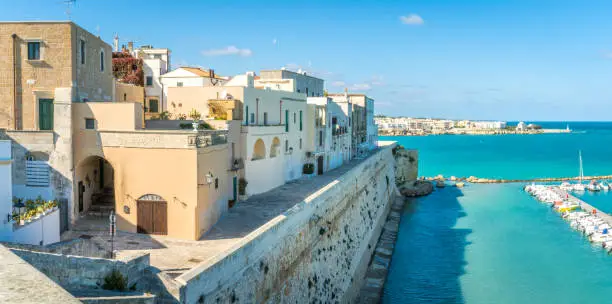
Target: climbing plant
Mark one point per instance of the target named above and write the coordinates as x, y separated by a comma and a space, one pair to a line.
128, 69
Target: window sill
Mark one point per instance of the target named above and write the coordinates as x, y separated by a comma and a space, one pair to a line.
34, 60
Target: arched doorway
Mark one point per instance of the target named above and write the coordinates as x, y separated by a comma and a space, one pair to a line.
95, 179
152, 215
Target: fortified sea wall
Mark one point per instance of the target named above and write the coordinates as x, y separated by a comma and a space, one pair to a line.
316, 252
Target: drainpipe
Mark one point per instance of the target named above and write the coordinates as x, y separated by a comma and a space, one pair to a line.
14, 36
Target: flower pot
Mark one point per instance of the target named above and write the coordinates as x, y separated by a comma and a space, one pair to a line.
21, 222
195, 125
243, 197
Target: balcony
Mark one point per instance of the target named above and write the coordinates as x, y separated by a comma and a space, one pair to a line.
263, 129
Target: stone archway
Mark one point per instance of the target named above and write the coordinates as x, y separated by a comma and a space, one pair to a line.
95, 180
259, 150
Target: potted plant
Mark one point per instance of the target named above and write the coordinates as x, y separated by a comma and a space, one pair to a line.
308, 169
242, 184
195, 116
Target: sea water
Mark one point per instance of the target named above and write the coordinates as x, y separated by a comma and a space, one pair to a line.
494, 243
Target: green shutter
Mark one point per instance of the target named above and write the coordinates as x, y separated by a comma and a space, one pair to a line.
45, 114
246, 116
286, 120
300, 120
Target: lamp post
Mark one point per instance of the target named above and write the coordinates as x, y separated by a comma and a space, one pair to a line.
112, 223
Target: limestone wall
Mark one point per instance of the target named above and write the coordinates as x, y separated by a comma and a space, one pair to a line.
406, 164
316, 251
83, 272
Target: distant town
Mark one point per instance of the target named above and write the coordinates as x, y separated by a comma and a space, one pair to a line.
430, 126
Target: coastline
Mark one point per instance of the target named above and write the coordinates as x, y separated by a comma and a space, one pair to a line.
398, 132
476, 180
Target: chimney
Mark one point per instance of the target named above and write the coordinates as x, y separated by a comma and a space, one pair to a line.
116, 43
131, 46
211, 73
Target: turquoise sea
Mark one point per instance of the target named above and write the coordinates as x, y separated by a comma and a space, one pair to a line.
494, 243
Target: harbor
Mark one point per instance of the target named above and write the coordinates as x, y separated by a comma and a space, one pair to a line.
581, 216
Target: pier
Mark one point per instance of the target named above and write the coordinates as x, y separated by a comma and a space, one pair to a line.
584, 205
477, 180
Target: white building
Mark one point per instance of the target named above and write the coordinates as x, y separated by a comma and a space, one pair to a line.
156, 62
273, 133
371, 127
188, 77
285, 80
489, 125
41, 229
521, 126
6, 191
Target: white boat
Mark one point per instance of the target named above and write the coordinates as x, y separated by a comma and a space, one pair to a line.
593, 186
565, 186
604, 186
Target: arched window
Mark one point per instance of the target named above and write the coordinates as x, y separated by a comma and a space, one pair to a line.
275, 147
259, 150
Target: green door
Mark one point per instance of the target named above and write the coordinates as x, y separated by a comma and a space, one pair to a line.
45, 114
235, 192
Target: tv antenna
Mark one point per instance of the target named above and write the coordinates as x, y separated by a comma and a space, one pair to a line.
69, 4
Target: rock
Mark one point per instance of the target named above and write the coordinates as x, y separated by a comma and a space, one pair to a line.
440, 177
459, 185
417, 188
440, 184
452, 178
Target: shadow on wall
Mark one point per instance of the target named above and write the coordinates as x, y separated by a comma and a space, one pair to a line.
429, 256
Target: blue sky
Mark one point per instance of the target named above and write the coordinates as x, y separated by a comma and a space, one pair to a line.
472, 59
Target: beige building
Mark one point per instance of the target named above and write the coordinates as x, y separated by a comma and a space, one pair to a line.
36, 58
92, 154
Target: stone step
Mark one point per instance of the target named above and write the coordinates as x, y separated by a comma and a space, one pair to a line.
166, 289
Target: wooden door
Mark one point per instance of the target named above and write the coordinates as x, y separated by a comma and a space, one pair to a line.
45, 114
152, 217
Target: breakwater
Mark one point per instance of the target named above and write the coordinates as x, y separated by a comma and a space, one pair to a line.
477, 180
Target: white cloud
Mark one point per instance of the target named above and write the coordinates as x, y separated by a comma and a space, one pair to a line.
412, 19
338, 84
227, 51
360, 87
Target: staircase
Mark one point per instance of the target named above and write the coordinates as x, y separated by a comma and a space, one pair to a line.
163, 286
102, 203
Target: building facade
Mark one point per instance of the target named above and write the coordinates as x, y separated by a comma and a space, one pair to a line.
156, 62
285, 80
186, 77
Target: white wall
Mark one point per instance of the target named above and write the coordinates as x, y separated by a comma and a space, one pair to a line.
6, 197
45, 229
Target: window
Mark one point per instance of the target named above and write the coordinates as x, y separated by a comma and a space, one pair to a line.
294, 117
320, 138
157, 56
300, 143
124, 96
101, 61
149, 82
179, 84
265, 118
300, 120
153, 105
286, 120
252, 118
90, 123
34, 50
217, 183
306, 91
82, 51
286, 145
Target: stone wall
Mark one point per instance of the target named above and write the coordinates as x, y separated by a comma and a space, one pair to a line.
406, 164
317, 251
83, 272
77, 247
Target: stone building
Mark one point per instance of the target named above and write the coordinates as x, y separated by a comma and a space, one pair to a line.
72, 143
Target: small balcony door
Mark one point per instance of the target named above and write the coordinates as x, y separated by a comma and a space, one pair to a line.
45, 114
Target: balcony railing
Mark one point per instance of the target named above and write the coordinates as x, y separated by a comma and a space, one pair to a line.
208, 138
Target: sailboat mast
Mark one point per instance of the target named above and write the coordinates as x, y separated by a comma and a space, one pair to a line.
581, 171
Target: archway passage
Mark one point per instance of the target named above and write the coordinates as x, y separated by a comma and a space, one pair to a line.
95, 186
152, 215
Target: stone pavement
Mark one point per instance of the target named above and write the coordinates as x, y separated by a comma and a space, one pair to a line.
22, 283
174, 256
